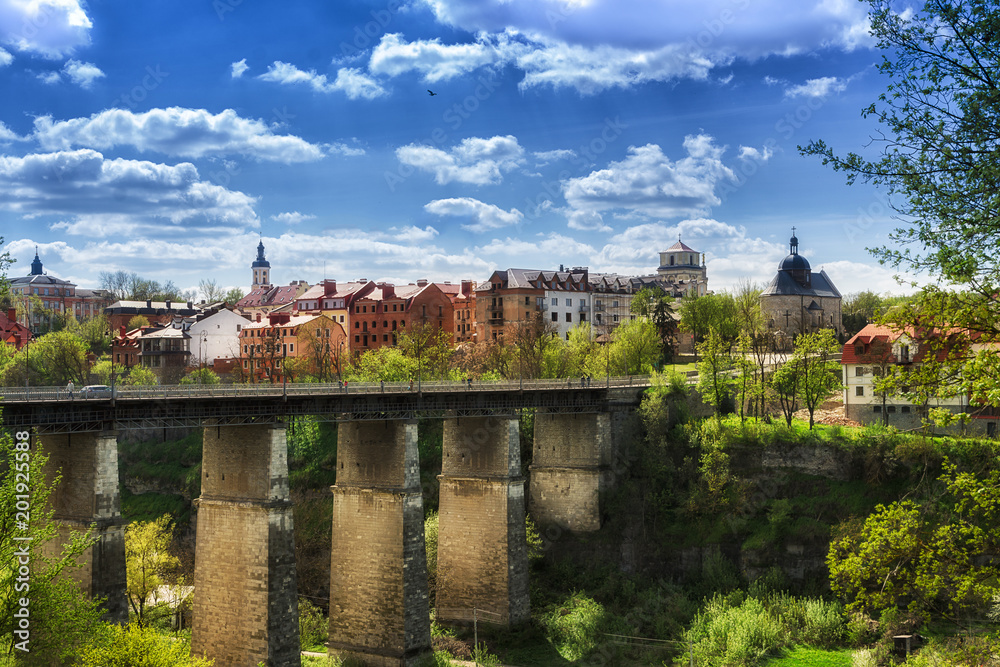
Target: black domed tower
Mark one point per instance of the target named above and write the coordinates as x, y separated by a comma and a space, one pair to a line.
795, 265
36, 265
261, 268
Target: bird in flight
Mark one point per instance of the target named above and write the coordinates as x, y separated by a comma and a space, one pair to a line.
431, 93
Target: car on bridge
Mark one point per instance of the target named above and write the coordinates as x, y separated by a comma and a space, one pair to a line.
95, 391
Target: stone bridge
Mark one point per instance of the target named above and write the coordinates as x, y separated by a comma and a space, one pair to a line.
246, 608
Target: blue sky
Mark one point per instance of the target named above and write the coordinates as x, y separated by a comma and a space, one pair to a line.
166, 137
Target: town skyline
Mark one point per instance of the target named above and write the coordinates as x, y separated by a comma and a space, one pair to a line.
581, 134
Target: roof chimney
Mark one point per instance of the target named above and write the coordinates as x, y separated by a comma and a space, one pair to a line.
422, 282
329, 287
149, 303
168, 304
122, 330
191, 304
12, 314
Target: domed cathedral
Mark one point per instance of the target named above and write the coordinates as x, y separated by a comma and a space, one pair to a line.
684, 268
261, 269
798, 300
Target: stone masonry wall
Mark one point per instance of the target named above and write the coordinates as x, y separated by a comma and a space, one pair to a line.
571, 458
87, 495
379, 607
482, 550
246, 604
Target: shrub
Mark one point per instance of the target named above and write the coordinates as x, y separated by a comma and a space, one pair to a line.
133, 646
313, 626
736, 635
572, 626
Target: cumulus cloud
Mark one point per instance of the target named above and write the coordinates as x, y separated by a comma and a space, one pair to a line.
760, 155
5, 58
49, 78
484, 216
649, 184
433, 60
292, 217
88, 187
237, 69
595, 45
542, 250
817, 88
82, 74
475, 160
545, 157
351, 81
191, 133
7, 135
49, 28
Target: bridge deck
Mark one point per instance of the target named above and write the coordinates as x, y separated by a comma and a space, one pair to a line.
54, 410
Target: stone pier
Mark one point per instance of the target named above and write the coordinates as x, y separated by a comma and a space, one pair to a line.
570, 463
379, 611
482, 558
88, 495
245, 603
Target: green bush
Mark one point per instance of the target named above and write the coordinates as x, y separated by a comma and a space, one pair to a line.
572, 627
313, 626
132, 646
735, 632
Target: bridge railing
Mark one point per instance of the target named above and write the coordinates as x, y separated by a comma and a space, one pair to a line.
36, 394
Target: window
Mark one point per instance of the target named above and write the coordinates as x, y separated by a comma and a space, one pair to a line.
614, 304
555, 316
555, 301
357, 325
583, 302
291, 347
876, 408
904, 353
440, 311
569, 317
859, 391
527, 300
905, 409
859, 371
569, 302
357, 338
583, 317
341, 318
385, 338
890, 408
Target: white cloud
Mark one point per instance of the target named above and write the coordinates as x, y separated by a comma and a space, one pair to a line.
754, 154
340, 148
49, 78
717, 27
648, 184
411, 234
237, 69
176, 131
93, 190
435, 61
484, 216
585, 220
82, 74
474, 160
352, 82
50, 28
7, 135
817, 88
538, 252
545, 157
5, 58
292, 218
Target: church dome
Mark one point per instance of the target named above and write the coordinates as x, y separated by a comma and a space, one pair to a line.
794, 262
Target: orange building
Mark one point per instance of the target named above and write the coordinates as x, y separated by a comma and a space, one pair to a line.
268, 348
508, 296
333, 299
387, 309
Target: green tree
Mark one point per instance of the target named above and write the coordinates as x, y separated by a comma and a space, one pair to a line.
785, 383
712, 312
61, 617
819, 376
137, 322
635, 346
140, 376
200, 376
233, 295
148, 562
429, 346
386, 364
50, 360
715, 378
939, 161
938, 557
